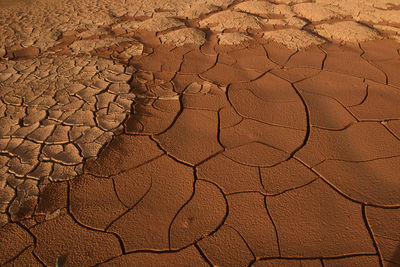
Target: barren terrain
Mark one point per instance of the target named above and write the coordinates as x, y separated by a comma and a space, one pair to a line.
200, 133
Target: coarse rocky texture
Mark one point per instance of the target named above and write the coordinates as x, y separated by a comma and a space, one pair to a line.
200, 133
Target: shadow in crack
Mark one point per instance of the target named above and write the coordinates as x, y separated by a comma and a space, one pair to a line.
395, 260
61, 260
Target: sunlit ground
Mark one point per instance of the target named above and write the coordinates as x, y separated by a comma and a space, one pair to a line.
7, 3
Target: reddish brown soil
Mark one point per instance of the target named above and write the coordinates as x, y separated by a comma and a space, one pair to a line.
244, 155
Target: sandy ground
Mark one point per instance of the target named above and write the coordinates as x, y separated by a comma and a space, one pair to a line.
191, 133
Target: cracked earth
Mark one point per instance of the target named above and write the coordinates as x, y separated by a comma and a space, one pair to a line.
200, 133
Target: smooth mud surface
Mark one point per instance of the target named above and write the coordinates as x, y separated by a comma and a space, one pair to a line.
200, 133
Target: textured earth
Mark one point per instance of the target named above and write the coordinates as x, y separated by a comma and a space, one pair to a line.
200, 133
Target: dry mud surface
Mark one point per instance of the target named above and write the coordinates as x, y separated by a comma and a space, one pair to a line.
200, 133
